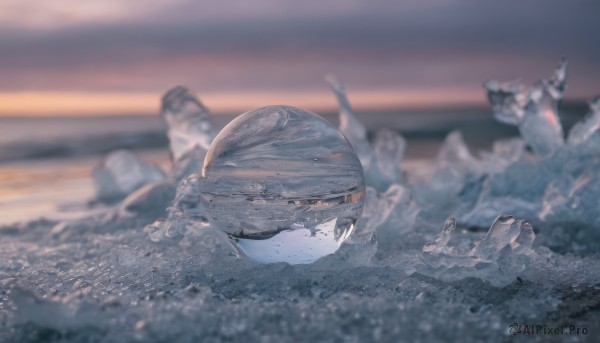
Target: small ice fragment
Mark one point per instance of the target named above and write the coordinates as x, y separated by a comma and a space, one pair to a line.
440, 245
541, 127
524, 241
503, 231
186, 198
360, 248
587, 127
557, 84
388, 147
567, 196
371, 205
556, 195
507, 100
280, 174
455, 166
183, 212
504, 153
534, 112
499, 257
188, 122
455, 157
122, 173
397, 213
353, 129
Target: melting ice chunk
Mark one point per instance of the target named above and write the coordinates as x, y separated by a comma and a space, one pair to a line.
507, 100
440, 244
275, 175
388, 147
396, 215
455, 157
381, 162
504, 153
188, 121
583, 130
361, 246
498, 257
572, 198
122, 173
353, 129
503, 232
535, 112
183, 212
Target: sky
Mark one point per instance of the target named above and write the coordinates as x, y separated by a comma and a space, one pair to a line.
72, 57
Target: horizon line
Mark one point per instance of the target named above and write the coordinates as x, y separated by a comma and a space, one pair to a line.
98, 103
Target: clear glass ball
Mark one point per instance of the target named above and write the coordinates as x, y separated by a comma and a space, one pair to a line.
284, 184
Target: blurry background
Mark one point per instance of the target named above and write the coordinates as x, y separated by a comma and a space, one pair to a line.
69, 57
81, 78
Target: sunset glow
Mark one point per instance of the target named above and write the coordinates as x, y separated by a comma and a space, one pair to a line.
95, 103
111, 57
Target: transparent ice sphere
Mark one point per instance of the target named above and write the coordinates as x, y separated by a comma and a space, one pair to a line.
284, 184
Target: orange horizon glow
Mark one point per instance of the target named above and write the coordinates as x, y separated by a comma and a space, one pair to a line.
68, 103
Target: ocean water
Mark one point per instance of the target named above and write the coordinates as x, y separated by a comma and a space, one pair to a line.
56, 188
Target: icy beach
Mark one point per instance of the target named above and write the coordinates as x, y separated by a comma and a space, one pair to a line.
178, 246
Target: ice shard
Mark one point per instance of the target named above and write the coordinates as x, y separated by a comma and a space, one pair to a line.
498, 257
504, 153
571, 198
188, 121
381, 160
183, 212
353, 129
440, 244
553, 190
455, 158
503, 232
586, 128
121, 173
388, 150
360, 248
508, 101
397, 216
535, 111
560, 195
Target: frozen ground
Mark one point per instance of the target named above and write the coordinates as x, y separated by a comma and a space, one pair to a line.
408, 273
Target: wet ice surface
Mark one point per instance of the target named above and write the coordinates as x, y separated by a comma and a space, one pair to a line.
406, 273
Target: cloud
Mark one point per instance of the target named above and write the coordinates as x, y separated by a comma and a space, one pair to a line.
273, 44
